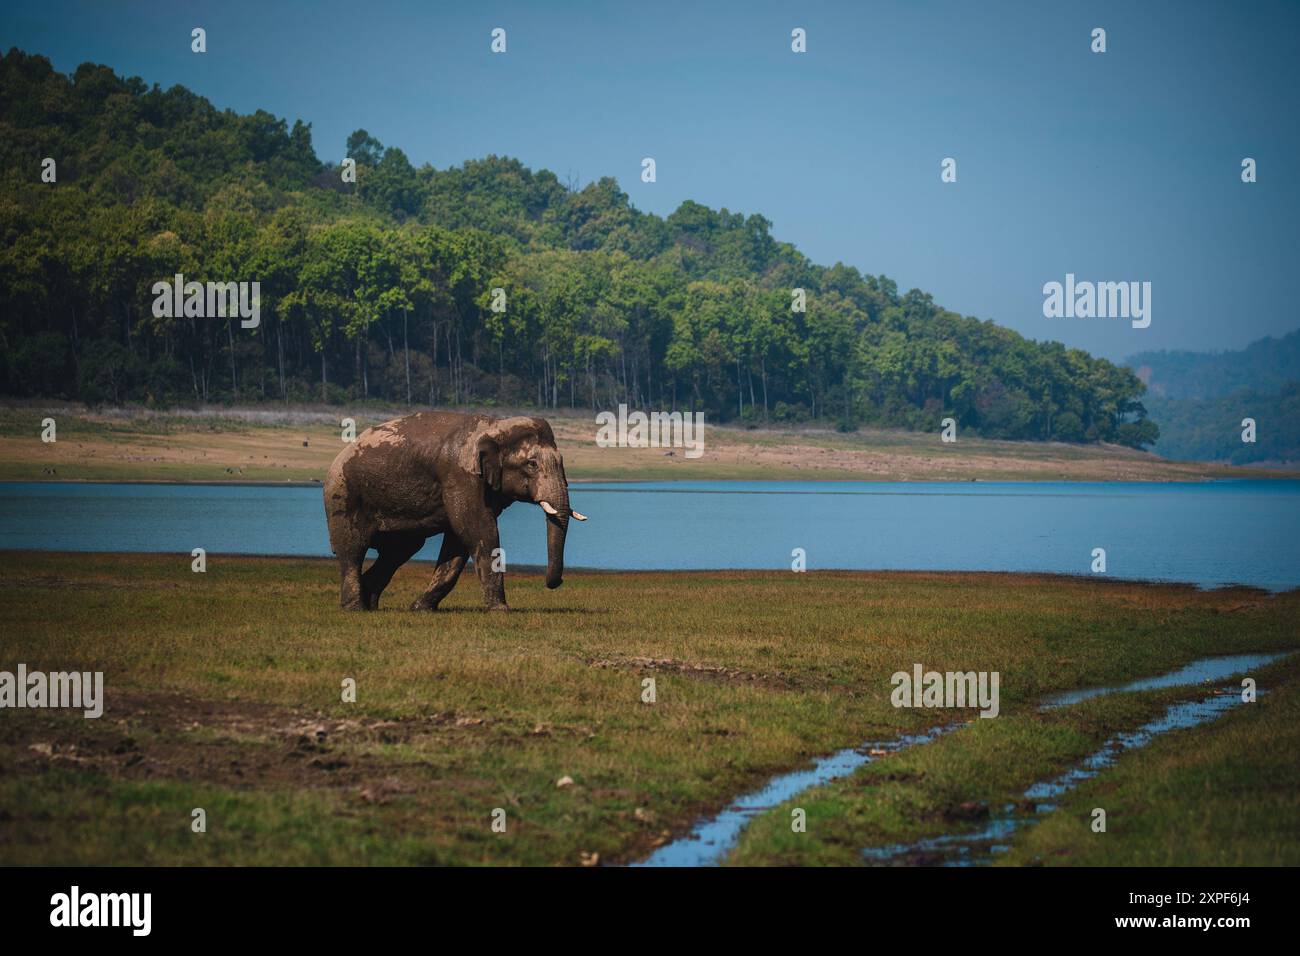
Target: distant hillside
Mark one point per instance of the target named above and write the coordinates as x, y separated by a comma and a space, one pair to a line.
1265, 365
1209, 429
1199, 400
487, 283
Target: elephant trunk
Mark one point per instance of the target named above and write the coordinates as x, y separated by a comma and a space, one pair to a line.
557, 528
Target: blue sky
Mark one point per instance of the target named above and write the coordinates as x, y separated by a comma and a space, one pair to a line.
1116, 166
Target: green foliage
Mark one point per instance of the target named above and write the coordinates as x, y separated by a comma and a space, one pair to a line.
1200, 399
1265, 365
1210, 429
383, 288
364, 148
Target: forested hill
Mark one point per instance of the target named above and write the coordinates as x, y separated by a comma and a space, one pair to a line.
1268, 365
383, 289
1201, 398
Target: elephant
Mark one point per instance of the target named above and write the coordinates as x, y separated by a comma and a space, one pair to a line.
445, 473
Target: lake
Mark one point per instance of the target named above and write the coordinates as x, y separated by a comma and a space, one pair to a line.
1209, 534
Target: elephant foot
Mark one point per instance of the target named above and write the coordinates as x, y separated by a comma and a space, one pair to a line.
354, 605
498, 607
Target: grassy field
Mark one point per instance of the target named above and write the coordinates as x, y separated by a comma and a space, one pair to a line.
223, 693
1224, 794
1230, 793
298, 445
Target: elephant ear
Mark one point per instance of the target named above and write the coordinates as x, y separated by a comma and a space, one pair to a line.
488, 457
543, 431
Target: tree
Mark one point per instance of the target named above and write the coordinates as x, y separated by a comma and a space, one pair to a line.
364, 148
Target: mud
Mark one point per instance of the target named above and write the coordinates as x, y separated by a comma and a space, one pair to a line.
232, 743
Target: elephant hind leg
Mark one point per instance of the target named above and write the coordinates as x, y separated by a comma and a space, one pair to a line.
350, 591
451, 561
350, 533
395, 549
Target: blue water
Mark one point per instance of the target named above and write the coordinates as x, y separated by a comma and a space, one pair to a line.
1209, 534
713, 838
967, 848
1197, 672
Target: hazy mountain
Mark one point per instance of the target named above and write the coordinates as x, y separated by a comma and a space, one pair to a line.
1200, 399
1267, 364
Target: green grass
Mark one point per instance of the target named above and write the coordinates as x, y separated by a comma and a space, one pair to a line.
216, 684
1223, 793
1228, 795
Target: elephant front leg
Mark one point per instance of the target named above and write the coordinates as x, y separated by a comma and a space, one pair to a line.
487, 552
478, 529
451, 561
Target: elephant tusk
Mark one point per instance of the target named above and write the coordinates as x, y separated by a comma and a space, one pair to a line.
548, 507
580, 517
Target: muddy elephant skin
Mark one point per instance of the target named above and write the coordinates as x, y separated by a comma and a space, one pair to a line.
444, 473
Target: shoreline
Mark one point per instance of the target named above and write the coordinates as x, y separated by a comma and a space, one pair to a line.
1271, 476
538, 570
247, 447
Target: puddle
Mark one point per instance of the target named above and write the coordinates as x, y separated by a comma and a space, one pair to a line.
981, 846
1197, 672
712, 839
